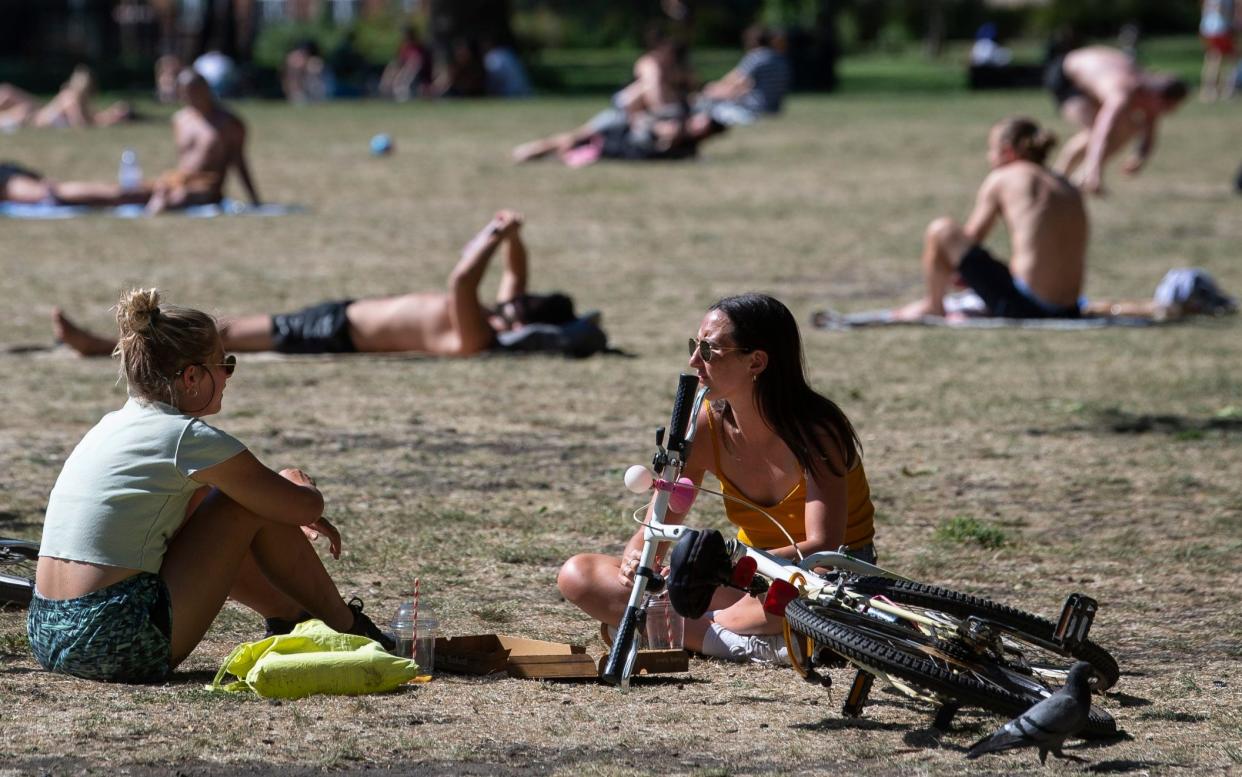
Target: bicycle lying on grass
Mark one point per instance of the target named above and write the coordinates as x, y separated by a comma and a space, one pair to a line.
17, 571
930, 643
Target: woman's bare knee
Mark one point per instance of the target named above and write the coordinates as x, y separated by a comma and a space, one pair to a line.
573, 580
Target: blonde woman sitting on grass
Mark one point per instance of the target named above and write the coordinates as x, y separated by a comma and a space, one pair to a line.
158, 517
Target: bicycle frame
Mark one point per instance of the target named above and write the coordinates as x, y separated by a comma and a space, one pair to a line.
667, 464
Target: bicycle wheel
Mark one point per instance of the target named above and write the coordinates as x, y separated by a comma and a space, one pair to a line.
925, 665
17, 571
1026, 640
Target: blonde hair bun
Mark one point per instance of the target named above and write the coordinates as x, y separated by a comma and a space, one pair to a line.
137, 310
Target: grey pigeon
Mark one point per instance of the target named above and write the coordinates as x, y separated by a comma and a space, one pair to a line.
1048, 723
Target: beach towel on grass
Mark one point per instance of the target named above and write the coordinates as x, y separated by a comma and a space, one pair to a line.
832, 320
313, 659
226, 207
1185, 290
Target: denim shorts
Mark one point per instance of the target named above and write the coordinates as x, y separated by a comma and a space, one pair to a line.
121, 633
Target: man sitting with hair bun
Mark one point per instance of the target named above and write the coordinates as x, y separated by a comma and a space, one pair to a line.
1047, 226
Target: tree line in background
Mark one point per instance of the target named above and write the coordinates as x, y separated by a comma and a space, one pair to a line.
40, 40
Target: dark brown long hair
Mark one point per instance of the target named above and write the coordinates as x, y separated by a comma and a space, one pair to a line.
809, 423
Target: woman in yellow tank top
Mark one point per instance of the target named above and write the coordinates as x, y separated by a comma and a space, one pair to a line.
771, 441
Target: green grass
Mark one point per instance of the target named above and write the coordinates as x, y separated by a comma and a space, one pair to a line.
965, 530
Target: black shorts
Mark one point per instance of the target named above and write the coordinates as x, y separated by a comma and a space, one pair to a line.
321, 328
1056, 81
10, 170
1005, 297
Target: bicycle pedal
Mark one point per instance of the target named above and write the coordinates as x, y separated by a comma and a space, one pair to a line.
856, 699
1077, 615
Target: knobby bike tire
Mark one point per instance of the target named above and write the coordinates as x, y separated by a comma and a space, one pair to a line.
1019, 623
917, 668
17, 560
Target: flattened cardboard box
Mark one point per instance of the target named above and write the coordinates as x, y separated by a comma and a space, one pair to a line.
534, 658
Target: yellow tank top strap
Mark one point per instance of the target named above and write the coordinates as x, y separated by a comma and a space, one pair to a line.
711, 427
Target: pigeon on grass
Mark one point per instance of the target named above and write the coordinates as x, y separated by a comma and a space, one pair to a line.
1048, 723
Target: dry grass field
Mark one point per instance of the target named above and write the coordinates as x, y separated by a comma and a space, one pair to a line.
1109, 460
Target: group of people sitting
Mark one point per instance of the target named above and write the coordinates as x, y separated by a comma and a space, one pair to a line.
468, 68
660, 115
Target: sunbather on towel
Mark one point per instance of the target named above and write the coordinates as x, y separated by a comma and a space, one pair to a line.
211, 141
21, 184
1047, 226
455, 323
71, 107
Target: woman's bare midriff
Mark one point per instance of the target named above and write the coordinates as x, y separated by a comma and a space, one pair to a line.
59, 578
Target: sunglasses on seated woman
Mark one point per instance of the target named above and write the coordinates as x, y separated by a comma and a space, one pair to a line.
708, 350
229, 364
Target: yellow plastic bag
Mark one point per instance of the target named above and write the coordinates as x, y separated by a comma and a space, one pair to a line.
313, 659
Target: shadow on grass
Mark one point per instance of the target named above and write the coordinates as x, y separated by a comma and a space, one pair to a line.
1122, 422
1125, 766
1116, 421
848, 724
13, 522
1126, 700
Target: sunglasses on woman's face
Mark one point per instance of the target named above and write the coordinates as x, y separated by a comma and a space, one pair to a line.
707, 350
229, 365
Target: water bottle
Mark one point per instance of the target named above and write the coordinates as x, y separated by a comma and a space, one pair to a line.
129, 174
416, 638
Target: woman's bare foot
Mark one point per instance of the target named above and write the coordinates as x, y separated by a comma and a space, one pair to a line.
77, 338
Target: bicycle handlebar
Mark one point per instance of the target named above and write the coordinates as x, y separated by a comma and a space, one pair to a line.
682, 405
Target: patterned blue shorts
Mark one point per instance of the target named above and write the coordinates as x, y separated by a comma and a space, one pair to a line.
121, 633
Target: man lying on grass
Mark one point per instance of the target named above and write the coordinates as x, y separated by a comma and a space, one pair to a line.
455, 323
1047, 226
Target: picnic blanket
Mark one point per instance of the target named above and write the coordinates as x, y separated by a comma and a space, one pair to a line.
1186, 290
226, 207
832, 320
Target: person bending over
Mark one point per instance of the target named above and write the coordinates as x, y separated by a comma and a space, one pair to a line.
157, 517
770, 439
1113, 101
455, 323
1047, 226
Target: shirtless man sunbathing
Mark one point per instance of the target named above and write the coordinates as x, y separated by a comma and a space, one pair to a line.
1047, 226
444, 324
210, 141
71, 107
1113, 101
